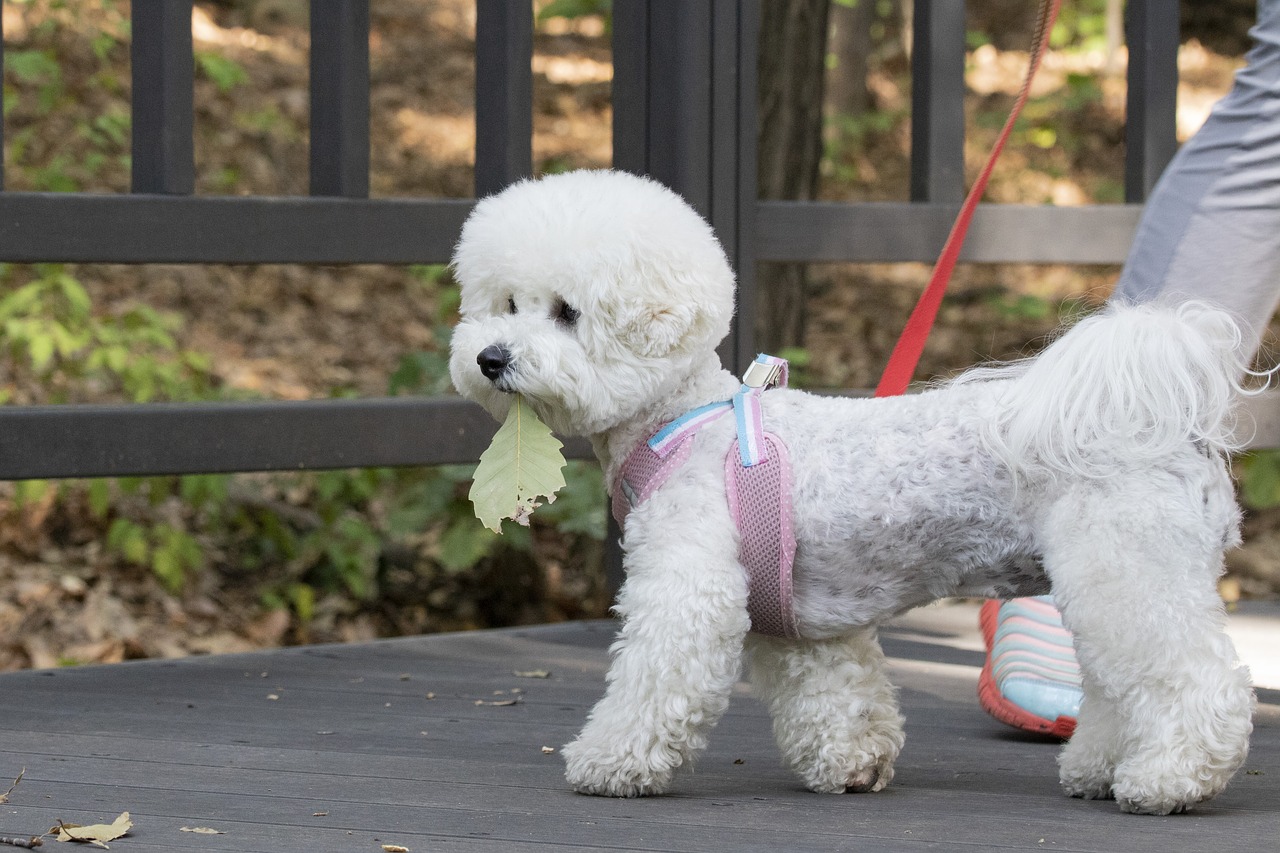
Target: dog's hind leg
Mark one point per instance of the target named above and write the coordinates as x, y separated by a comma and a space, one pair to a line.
675, 662
835, 715
1167, 710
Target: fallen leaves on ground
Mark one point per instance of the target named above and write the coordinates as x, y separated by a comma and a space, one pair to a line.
97, 834
4, 798
201, 830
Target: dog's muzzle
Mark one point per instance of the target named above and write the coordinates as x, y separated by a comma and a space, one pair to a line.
494, 361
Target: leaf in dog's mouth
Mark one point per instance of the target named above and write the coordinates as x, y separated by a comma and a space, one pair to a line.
522, 464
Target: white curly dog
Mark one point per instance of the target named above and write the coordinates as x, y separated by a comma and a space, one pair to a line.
1096, 469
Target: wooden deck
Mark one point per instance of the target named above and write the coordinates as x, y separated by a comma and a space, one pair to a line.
409, 742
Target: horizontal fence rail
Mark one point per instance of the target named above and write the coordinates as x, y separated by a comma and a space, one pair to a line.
136, 229
44, 442
884, 232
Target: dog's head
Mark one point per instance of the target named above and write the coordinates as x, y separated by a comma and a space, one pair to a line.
591, 294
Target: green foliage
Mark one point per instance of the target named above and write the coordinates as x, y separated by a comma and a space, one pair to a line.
49, 330
576, 9
579, 509
848, 136
426, 372
38, 70
1081, 25
1258, 473
1021, 306
35, 88
268, 121
170, 552
798, 361
225, 73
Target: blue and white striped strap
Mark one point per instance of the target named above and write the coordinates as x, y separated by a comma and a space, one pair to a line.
766, 372
667, 438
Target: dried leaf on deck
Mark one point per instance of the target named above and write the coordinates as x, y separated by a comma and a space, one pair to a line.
4, 798
395, 848
201, 830
97, 834
531, 673
500, 703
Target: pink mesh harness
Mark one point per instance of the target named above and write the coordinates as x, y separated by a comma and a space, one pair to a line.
757, 477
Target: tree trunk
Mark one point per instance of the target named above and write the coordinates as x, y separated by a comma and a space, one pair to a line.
793, 47
848, 50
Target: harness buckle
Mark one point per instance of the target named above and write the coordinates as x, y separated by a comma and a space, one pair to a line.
762, 375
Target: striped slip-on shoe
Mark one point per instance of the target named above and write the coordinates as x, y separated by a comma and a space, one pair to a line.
1031, 679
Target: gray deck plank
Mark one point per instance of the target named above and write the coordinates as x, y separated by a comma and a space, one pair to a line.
351, 733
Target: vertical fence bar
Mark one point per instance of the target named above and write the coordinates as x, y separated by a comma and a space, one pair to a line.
630, 96
504, 93
163, 76
679, 109
1, 110
734, 136
1151, 116
340, 98
685, 114
937, 101
630, 87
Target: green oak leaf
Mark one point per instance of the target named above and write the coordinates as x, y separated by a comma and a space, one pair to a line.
523, 463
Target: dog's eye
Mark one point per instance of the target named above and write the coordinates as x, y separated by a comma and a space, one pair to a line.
566, 313
511, 305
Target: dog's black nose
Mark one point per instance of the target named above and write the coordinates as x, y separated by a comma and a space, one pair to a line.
493, 360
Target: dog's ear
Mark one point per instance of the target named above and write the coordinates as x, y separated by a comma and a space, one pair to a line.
656, 331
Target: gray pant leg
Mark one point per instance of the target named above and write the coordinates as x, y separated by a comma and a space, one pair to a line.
1211, 228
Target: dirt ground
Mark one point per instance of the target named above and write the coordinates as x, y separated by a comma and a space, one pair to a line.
295, 333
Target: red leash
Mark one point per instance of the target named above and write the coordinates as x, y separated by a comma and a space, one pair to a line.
906, 352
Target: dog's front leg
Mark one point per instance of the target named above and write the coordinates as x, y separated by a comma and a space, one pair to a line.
835, 715
675, 662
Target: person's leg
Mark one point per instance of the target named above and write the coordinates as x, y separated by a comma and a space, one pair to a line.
1209, 231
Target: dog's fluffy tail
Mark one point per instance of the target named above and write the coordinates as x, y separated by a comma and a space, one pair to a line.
1128, 384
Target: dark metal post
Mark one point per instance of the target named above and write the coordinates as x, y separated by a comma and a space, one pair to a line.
685, 114
937, 101
631, 85
1, 111
340, 98
163, 76
735, 45
504, 93
679, 132
1151, 120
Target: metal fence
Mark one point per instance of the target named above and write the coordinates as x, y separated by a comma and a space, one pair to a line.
684, 95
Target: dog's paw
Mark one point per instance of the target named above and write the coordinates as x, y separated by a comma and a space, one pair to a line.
1171, 782
1084, 771
1086, 787
861, 767
613, 772
1158, 797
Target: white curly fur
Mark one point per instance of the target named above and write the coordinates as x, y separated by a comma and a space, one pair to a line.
1096, 469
